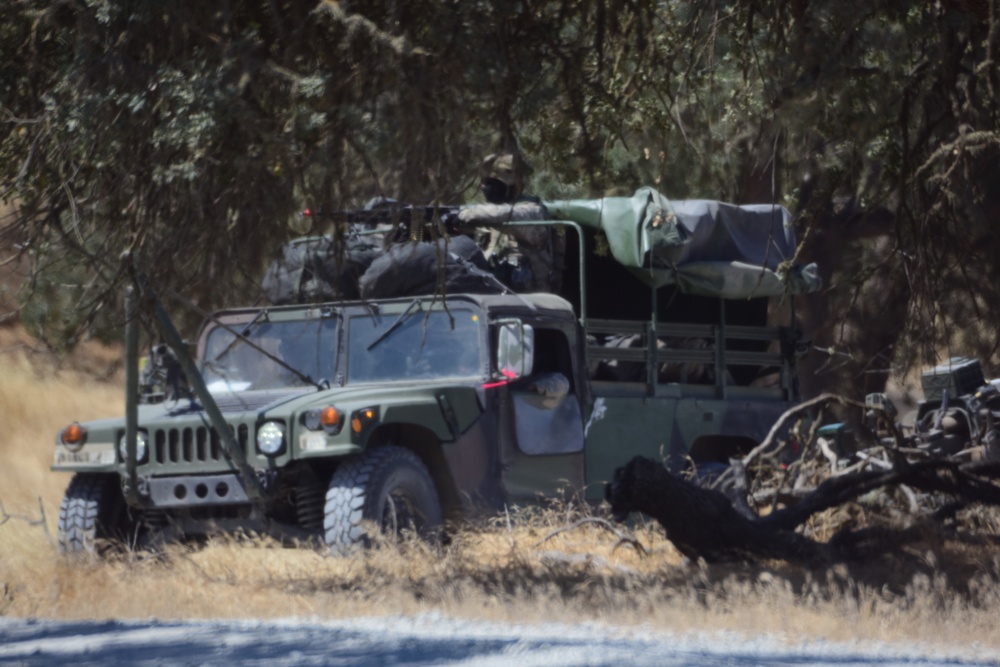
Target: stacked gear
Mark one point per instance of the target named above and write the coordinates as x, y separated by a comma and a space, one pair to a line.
319, 269
312, 270
522, 258
452, 265
702, 247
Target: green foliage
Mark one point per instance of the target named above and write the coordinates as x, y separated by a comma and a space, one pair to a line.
187, 133
57, 304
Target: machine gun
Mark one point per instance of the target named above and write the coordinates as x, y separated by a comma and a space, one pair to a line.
402, 222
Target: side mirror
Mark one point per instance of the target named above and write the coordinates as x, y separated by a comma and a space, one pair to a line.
515, 349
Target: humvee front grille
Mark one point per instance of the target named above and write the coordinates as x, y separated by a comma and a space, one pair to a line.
193, 444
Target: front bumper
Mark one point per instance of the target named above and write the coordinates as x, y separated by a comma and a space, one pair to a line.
194, 491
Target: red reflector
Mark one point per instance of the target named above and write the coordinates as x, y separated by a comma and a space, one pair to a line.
492, 385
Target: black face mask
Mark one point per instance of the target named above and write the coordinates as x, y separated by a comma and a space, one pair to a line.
497, 192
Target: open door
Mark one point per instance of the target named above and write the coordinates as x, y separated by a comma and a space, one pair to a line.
543, 453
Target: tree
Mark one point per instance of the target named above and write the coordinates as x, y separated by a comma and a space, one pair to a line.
189, 134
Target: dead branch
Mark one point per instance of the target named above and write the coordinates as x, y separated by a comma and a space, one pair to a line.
967, 482
623, 538
40, 521
702, 523
768, 444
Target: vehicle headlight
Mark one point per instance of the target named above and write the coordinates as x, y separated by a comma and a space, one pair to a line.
141, 441
328, 419
271, 438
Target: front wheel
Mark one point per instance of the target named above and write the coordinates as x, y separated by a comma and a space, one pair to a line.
92, 509
388, 486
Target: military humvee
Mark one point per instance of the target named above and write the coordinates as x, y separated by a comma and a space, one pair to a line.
316, 419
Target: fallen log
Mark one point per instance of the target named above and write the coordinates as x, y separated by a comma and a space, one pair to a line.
702, 523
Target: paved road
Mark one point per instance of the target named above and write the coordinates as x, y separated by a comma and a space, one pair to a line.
430, 640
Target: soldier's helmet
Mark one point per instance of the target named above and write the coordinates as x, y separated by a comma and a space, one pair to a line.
503, 176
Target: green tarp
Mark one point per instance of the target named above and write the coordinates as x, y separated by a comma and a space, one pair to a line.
703, 247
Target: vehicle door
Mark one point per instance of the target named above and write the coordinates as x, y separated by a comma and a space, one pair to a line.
540, 417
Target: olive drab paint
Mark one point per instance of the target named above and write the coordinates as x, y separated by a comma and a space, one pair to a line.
422, 405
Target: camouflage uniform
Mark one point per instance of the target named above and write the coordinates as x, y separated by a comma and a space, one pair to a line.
529, 258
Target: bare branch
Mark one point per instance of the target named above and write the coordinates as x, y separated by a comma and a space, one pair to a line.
623, 538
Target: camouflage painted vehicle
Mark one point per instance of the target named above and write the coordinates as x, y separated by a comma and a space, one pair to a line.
315, 419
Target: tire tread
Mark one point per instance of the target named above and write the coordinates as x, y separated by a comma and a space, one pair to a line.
347, 494
79, 513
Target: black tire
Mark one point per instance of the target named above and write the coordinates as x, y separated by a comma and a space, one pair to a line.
389, 486
92, 509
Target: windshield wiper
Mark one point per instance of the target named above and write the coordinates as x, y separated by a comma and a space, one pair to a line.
395, 325
239, 336
242, 338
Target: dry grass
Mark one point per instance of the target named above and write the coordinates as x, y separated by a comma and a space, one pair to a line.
505, 571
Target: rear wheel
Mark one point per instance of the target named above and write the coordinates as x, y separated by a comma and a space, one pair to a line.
388, 486
92, 510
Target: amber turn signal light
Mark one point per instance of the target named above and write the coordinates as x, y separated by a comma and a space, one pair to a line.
329, 417
362, 418
73, 436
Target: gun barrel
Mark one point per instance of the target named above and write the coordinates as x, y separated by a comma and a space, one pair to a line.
386, 214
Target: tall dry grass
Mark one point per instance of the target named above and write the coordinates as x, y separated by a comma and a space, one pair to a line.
527, 567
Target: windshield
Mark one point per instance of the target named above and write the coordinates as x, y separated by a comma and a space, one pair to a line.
411, 351
307, 346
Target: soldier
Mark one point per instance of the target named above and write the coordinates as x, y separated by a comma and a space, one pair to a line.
503, 178
527, 258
